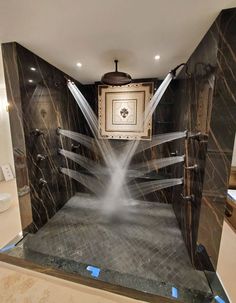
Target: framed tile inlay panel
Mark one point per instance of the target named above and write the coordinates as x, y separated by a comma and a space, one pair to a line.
121, 111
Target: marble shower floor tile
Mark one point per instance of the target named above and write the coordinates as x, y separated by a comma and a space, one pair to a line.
144, 242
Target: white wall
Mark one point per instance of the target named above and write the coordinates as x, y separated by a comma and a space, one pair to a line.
226, 267
10, 224
6, 153
234, 153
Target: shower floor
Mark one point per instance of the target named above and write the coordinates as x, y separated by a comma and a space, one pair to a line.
146, 242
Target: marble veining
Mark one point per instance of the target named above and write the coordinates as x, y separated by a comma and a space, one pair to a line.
141, 250
39, 99
203, 99
205, 102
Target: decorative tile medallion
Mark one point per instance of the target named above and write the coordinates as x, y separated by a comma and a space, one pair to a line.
121, 111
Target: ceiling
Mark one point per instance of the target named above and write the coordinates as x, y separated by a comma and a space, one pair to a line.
2, 82
95, 32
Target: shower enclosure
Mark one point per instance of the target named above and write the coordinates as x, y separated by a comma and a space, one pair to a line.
125, 216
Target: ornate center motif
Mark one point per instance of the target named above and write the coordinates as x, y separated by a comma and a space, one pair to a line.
124, 112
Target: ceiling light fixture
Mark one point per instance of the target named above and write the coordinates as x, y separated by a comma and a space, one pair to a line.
116, 78
79, 64
33, 68
157, 57
30, 81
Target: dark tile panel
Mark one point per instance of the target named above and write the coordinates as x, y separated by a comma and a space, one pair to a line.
210, 227
221, 138
205, 102
217, 170
203, 99
41, 100
192, 108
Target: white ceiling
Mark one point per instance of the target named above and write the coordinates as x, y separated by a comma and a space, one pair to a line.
2, 82
95, 32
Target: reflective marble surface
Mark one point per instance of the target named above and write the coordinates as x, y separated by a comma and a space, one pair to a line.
205, 97
142, 248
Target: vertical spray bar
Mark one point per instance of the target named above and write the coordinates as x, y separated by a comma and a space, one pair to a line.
187, 195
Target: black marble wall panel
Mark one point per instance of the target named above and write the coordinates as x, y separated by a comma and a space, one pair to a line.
39, 99
201, 100
205, 102
221, 138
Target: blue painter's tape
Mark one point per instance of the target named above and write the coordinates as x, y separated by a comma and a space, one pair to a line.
219, 299
6, 248
95, 271
174, 292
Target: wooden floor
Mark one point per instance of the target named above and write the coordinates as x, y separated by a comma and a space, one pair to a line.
19, 285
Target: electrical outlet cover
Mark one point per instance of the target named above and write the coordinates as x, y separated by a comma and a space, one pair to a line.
7, 172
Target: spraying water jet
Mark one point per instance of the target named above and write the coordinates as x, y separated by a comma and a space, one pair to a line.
117, 167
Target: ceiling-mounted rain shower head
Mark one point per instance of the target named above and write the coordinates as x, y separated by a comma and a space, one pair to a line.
116, 78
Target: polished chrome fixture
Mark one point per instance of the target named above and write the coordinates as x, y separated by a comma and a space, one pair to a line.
74, 147
198, 136
189, 198
42, 182
174, 153
37, 132
40, 157
193, 167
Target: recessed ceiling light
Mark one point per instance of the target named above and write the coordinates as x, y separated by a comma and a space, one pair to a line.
79, 64
30, 81
33, 68
157, 57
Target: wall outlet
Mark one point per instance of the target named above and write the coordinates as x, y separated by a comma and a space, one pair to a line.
7, 172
